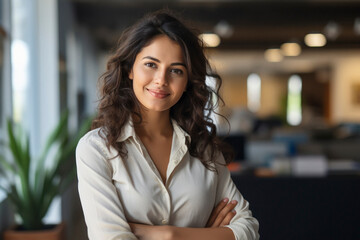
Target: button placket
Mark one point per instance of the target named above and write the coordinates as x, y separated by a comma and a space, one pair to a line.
166, 199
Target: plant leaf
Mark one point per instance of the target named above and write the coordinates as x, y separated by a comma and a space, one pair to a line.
18, 155
32, 200
60, 132
7, 166
14, 144
52, 192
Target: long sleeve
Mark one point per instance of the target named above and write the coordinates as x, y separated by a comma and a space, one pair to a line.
243, 225
104, 213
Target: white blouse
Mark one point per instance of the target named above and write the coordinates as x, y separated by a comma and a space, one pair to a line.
115, 191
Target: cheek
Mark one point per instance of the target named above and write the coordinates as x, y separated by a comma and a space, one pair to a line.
141, 78
180, 88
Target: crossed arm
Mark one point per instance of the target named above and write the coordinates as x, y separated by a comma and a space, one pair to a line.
220, 216
104, 213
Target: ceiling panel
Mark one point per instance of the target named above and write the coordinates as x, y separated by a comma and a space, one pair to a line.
257, 25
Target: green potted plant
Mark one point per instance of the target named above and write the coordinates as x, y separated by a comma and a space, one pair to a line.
31, 184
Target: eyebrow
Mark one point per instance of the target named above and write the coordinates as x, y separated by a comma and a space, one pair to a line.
157, 60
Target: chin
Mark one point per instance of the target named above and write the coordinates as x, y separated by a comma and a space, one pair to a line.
158, 109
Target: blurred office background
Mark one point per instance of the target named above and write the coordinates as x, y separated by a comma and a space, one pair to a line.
291, 85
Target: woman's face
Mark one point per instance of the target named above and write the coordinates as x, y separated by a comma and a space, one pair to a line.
159, 74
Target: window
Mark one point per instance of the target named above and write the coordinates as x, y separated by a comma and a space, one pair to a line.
253, 92
293, 111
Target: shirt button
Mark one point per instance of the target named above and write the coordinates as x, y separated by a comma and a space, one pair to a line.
164, 221
176, 161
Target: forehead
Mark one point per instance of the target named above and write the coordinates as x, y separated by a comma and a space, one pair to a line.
162, 48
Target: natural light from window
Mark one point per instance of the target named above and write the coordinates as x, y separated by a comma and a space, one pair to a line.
254, 92
20, 75
293, 111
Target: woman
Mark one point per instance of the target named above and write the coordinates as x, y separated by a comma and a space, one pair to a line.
152, 168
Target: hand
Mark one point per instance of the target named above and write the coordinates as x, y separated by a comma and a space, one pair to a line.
222, 213
148, 232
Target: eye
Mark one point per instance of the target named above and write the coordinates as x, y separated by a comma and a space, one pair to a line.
150, 64
177, 71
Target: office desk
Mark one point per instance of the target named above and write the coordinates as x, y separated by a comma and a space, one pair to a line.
304, 208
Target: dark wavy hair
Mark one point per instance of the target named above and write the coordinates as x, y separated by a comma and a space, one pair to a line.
192, 112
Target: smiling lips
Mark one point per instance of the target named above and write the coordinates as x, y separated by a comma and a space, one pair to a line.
158, 93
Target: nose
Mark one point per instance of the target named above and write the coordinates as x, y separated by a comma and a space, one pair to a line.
161, 77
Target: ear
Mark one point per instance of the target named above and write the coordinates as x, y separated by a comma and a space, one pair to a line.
131, 74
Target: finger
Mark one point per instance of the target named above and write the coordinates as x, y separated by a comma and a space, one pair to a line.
222, 214
216, 211
228, 218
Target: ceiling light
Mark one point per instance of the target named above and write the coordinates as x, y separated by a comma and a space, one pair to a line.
224, 29
210, 39
291, 49
315, 40
332, 30
273, 55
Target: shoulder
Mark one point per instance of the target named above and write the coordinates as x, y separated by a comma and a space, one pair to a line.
92, 153
94, 136
218, 157
93, 140
214, 159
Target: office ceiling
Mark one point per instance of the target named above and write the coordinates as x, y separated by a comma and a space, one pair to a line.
255, 25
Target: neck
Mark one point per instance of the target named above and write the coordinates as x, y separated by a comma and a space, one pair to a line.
154, 124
